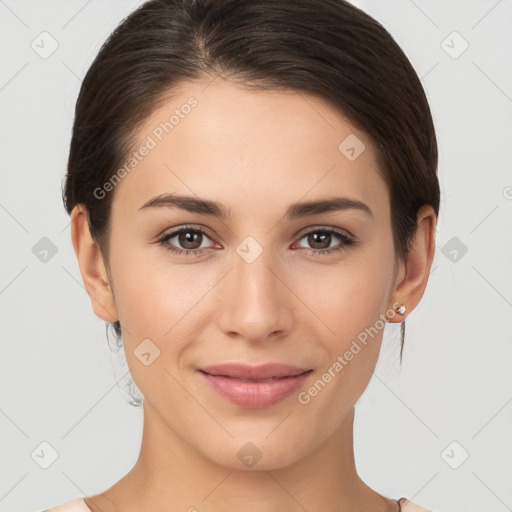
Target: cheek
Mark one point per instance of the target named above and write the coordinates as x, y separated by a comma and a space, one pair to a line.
346, 299
155, 304
160, 300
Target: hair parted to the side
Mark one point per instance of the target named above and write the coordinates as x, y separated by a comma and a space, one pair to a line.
328, 48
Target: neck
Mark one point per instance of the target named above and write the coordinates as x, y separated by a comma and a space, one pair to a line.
171, 475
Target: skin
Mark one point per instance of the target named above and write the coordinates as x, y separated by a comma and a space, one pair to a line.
255, 152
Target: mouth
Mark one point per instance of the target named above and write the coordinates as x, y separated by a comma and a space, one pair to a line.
256, 393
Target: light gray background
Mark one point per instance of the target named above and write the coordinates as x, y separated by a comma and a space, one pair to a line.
58, 378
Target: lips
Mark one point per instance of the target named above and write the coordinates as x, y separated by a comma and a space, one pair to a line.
269, 371
255, 387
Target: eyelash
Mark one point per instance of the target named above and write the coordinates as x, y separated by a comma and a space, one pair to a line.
346, 241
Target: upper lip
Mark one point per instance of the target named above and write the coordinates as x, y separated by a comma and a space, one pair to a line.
245, 371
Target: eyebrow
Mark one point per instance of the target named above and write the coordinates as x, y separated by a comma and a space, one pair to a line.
294, 211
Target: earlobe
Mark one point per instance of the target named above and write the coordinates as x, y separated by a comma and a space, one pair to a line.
411, 284
92, 267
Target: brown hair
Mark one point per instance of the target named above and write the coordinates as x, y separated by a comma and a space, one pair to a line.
328, 48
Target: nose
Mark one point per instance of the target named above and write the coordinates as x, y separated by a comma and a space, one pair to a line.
256, 302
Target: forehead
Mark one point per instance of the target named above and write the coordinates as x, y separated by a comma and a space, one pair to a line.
266, 149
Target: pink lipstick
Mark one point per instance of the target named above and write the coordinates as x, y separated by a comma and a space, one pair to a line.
255, 387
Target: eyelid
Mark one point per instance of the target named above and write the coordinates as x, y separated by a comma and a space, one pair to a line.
181, 227
319, 227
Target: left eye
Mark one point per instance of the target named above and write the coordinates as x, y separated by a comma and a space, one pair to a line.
321, 239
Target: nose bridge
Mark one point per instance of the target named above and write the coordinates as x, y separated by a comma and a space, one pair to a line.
253, 305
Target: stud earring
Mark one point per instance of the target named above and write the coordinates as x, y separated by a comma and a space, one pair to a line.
401, 309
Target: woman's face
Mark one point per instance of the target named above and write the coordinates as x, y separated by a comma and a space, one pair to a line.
258, 285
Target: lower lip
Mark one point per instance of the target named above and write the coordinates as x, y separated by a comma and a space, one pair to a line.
255, 395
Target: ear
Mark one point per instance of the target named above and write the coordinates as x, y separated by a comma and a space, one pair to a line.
413, 275
92, 267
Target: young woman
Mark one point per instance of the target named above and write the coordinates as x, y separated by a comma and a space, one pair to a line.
253, 194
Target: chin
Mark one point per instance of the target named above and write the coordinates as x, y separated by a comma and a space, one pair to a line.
244, 454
